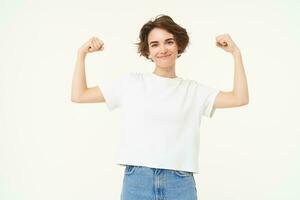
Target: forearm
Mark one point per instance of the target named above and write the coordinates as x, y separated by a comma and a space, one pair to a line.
240, 88
79, 84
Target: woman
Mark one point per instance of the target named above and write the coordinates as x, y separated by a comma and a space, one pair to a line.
161, 111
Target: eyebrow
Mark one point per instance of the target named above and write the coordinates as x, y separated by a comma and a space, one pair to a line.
165, 40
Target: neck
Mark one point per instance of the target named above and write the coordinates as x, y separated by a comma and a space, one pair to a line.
165, 72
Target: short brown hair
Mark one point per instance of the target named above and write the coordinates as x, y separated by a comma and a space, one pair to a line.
164, 22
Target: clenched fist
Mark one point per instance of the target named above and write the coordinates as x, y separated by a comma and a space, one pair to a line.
92, 45
226, 43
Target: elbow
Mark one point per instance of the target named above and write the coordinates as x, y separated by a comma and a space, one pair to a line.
75, 99
76, 96
244, 102
241, 100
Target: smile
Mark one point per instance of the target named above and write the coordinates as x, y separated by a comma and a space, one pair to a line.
164, 56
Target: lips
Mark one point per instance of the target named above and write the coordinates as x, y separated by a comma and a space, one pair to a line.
164, 56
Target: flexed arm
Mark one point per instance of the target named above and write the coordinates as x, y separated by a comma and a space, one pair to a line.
80, 92
239, 95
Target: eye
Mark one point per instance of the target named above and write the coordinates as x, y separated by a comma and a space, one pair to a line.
170, 42
153, 45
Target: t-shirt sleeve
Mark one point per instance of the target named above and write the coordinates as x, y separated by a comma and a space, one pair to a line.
113, 90
207, 96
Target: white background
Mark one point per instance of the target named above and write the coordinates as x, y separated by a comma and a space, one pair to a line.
51, 148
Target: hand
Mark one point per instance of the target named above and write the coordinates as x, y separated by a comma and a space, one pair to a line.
92, 45
226, 43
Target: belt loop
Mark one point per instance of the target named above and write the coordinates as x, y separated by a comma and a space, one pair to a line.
157, 171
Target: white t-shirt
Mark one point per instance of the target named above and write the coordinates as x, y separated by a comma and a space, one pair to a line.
161, 119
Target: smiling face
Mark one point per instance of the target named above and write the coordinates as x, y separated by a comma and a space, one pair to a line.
163, 49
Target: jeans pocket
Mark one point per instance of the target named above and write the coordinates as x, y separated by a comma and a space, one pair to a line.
129, 169
183, 173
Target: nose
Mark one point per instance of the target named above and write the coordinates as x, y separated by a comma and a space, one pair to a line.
163, 49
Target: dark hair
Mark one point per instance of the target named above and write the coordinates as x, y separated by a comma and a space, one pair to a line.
164, 22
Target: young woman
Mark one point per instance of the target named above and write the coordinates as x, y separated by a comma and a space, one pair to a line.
161, 111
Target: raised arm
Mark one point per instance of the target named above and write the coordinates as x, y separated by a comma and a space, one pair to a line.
239, 95
80, 92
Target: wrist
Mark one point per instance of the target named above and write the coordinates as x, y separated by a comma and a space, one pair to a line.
236, 52
81, 53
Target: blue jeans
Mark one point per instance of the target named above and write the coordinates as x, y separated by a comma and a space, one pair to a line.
145, 183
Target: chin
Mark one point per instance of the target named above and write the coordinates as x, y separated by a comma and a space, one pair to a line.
165, 65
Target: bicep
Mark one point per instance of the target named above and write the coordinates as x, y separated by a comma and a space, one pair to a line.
226, 100
92, 95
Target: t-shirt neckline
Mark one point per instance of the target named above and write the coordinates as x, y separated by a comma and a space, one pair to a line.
164, 78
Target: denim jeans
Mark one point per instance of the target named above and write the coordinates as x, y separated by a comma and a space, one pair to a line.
145, 183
